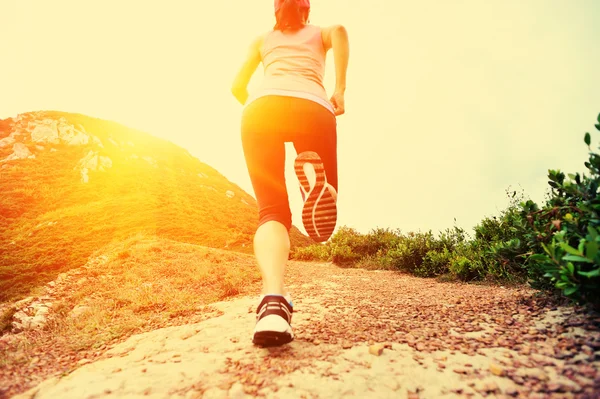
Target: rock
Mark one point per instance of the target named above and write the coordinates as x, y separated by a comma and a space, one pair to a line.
553, 386
45, 132
20, 151
151, 161
95, 162
346, 345
79, 310
97, 141
5, 142
71, 136
23, 302
532, 373
56, 131
376, 349
496, 369
41, 310
490, 386
22, 321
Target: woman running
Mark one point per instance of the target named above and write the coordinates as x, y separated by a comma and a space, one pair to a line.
291, 105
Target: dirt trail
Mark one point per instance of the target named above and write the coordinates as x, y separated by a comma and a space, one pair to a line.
439, 340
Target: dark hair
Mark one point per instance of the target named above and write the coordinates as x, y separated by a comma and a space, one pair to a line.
290, 16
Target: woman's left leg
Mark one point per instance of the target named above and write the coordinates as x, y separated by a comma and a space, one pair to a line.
264, 150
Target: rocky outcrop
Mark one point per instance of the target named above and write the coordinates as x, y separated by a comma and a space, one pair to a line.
20, 151
57, 131
33, 313
5, 142
94, 162
36, 129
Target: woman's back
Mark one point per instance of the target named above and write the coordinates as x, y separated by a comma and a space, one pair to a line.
294, 61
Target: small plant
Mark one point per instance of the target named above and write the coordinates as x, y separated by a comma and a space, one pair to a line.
6, 318
318, 252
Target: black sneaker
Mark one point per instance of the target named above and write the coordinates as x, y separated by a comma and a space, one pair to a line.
319, 214
273, 322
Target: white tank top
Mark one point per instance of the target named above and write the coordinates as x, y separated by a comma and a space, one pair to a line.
294, 65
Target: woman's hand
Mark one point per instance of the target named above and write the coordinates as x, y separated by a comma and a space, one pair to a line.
337, 100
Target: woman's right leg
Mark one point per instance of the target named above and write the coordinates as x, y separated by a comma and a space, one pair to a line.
316, 166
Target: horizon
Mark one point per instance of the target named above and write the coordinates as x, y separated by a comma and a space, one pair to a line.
475, 98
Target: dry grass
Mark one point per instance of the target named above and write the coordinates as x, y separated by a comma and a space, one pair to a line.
138, 285
148, 283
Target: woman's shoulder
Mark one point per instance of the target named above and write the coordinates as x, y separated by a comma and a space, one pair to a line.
314, 27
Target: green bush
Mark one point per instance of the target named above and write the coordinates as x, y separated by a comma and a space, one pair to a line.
466, 269
408, 253
435, 263
317, 252
568, 230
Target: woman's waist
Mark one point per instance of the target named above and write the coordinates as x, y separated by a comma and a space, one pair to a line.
294, 83
319, 99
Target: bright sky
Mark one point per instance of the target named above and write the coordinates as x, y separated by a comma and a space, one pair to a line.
448, 102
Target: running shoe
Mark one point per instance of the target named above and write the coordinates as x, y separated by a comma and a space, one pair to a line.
319, 214
273, 322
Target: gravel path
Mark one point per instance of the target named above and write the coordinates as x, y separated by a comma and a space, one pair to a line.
361, 334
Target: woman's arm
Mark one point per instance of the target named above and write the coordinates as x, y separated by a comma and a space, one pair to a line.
336, 38
239, 88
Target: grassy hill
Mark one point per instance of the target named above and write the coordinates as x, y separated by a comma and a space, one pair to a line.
71, 184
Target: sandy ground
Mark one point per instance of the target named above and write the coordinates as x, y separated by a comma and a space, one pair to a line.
361, 334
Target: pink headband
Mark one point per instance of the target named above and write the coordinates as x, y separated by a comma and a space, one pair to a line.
301, 4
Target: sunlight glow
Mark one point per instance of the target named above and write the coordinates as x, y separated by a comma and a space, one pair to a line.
448, 104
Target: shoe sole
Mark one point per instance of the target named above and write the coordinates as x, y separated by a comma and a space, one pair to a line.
271, 338
319, 214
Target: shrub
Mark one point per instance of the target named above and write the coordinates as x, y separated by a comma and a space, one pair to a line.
408, 254
435, 263
318, 252
466, 269
568, 230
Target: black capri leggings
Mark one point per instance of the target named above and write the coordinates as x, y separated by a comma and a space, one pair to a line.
267, 124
